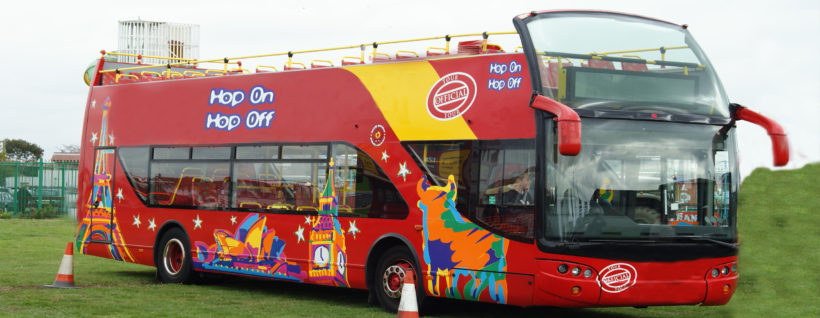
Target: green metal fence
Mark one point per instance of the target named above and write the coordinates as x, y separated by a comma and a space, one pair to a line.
38, 189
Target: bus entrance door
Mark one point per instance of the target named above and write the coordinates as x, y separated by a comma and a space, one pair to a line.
101, 202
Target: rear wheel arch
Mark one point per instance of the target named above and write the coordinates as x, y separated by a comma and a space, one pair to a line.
168, 225
379, 247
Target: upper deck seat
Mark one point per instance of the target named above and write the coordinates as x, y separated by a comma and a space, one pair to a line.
596, 63
553, 73
474, 47
635, 67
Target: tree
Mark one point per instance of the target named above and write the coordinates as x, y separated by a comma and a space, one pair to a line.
21, 150
3, 152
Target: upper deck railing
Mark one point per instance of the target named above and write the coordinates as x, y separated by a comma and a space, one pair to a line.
187, 68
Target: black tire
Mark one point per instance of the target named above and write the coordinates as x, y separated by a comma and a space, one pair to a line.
391, 269
174, 265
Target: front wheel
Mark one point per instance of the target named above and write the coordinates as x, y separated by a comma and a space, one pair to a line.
389, 277
173, 261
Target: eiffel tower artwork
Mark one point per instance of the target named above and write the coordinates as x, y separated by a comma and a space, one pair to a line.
99, 224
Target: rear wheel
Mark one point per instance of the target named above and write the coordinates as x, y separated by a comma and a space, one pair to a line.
389, 277
173, 261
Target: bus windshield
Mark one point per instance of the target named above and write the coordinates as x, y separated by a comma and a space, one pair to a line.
644, 180
613, 61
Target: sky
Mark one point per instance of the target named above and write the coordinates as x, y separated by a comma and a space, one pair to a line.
762, 51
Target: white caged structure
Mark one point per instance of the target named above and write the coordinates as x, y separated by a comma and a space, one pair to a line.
163, 39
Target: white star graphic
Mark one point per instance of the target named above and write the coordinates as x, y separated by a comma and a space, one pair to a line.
137, 221
119, 195
300, 236
111, 137
197, 222
233, 219
93, 137
151, 225
307, 219
385, 156
353, 229
403, 172
93, 104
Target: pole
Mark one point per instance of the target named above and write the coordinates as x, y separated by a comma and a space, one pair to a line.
40, 189
62, 189
16, 187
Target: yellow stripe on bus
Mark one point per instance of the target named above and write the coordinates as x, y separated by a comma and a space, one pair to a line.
400, 91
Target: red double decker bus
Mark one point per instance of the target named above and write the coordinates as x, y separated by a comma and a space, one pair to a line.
597, 167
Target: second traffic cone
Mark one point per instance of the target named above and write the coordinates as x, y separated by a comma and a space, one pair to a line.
408, 308
65, 275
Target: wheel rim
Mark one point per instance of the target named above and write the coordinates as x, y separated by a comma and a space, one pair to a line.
393, 278
173, 257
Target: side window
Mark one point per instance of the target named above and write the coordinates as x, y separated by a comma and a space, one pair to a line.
185, 177
495, 180
440, 160
134, 161
273, 178
282, 178
506, 199
362, 188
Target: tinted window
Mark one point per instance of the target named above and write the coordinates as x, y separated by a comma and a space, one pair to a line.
274, 178
506, 186
362, 188
443, 159
211, 153
495, 180
257, 152
304, 152
135, 163
286, 186
189, 184
171, 153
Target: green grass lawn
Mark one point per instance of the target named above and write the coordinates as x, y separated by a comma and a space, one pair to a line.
779, 226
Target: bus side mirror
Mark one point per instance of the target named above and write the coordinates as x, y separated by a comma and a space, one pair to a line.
780, 143
569, 124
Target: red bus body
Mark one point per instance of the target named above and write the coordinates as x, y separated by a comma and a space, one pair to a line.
373, 107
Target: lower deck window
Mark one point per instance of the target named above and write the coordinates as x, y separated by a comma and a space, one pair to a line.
272, 178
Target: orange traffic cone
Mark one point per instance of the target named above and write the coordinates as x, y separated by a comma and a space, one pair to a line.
65, 275
408, 308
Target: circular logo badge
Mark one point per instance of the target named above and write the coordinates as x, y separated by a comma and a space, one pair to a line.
617, 277
451, 96
377, 135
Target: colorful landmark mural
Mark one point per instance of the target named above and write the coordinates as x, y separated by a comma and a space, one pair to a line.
328, 253
252, 249
463, 260
100, 223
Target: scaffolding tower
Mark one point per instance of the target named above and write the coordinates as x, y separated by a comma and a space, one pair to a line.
164, 39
